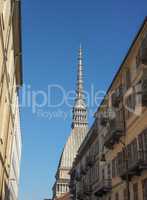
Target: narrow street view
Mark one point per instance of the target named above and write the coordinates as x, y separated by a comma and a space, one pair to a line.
73, 100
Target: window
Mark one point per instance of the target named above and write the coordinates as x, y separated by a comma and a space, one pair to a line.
117, 196
135, 191
109, 171
103, 174
127, 79
144, 185
114, 167
119, 162
129, 154
143, 51
125, 194
134, 150
142, 141
130, 105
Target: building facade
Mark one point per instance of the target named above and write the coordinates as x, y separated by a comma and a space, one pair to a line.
78, 133
112, 161
10, 81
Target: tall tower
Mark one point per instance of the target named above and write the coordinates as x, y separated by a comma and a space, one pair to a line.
78, 133
79, 109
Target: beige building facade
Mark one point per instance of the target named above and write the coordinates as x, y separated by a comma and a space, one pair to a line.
10, 81
112, 161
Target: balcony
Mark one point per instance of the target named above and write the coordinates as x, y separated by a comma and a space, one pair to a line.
114, 133
104, 187
135, 165
87, 190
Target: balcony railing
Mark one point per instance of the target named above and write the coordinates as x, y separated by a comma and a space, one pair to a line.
134, 165
104, 187
114, 133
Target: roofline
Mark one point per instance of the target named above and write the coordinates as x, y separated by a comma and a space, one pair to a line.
124, 60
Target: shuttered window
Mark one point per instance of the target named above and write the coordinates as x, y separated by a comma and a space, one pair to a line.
125, 194
130, 104
109, 171
117, 196
145, 144
144, 184
144, 51
144, 88
134, 151
129, 155
114, 167
145, 139
103, 174
135, 191
119, 162
142, 141
127, 79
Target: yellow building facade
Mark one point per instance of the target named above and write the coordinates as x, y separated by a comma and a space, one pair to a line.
10, 81
112, 161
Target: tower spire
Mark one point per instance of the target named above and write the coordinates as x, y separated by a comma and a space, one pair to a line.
79, 91
79, 109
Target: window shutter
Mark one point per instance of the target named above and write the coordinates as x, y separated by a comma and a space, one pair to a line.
144, 185
135, 191
144, 87
125, 194
119, 163
117, 196
129, 155
140, 142
114, 167
134, 150
128, 78
145, 139
144, 51
145, 144
109, 171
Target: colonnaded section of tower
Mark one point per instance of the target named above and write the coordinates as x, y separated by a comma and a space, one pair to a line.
78, 133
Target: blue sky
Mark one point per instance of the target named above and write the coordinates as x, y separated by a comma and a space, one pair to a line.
52, 33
